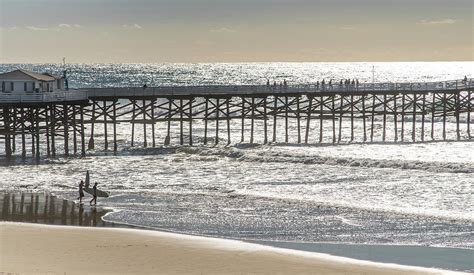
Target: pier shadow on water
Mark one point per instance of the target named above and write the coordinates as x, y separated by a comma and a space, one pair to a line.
48, 209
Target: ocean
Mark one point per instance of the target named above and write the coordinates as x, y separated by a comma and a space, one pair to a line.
411, 194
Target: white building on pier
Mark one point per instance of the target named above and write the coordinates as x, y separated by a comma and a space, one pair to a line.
21, 81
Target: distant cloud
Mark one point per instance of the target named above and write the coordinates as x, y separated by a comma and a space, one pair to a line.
69, 26
438, 22
223, 30
33, 28
134, 26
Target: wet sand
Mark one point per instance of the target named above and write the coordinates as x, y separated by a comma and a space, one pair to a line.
81, 247
33, 248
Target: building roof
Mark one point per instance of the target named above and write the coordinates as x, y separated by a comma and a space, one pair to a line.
21, 74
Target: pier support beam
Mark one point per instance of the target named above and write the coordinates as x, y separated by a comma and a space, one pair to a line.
66, 129
275, 111
252, 119
83, 138
206, 114
217, 121
308, 119
265, 126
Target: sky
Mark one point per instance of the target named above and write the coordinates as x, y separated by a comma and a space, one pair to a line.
147, 31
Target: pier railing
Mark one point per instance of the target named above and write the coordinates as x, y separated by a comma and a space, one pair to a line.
123, 92
454, 85
59, 96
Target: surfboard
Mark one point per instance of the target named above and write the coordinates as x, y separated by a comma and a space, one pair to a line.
89, 190
100, 193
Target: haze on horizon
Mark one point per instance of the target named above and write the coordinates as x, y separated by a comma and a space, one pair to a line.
146, 31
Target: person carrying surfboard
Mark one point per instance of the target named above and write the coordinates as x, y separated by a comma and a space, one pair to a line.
94, 194
81, 192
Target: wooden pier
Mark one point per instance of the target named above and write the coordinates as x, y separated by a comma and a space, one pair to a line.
69, 119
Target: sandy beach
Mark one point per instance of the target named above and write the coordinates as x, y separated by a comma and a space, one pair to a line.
32, 248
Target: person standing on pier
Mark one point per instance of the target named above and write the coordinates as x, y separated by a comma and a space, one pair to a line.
81, 191
94, 194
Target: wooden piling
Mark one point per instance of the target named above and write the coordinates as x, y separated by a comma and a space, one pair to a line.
66, 129
444, 115
286, 119
413, 131
395, 118
384, 118
38, 135
53, 130
153, 122
333, 105
252, 118
46, 122
457, 103
352, 118
90, 146
114, 113
321, 119
308, 119
265, 126
468, 114
275, 111
206, 114
341, 111
168, 132
145, 142
83, 138
133, 122
74, 130
298, 122
8, 149
402, 134
433, 112
23, 138
423, 110
106, 141
364, 138
191, 122
242, 128
217, 120
32, 131
181, 111
373, 119
228, 120
13, 135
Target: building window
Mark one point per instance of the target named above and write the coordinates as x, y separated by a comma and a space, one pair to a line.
12, 86
58, 84
25, 86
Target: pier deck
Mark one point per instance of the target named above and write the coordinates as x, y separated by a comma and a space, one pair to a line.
71, 117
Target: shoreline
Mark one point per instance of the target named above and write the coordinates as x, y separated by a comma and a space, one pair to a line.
48, 209
32, 248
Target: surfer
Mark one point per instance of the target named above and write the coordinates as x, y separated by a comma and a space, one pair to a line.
94, 194
81, 192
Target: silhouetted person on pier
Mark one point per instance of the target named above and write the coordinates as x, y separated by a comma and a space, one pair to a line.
317, 84
465, 78
323, 84
357, 82
340, 83
284, 82
94, 194
268, 82
145, 86
330, 83
81, 191
353, 82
